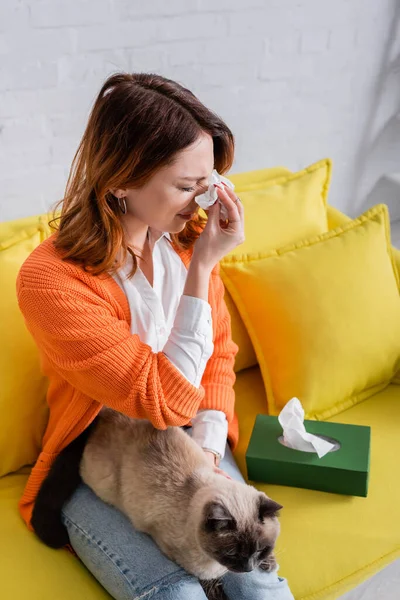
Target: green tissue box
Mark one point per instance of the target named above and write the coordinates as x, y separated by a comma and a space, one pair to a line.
343, 471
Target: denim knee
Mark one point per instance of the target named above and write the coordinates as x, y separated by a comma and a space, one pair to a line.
118, 578
188, 587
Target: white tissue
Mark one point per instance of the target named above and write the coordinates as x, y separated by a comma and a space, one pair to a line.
295, 436
211, 195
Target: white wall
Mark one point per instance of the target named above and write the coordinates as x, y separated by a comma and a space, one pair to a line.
296, 80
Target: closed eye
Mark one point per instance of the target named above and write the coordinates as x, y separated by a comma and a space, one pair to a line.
200, 188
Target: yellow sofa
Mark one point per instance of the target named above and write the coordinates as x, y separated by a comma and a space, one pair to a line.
329, 543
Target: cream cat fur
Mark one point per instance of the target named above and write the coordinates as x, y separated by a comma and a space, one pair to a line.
163, 482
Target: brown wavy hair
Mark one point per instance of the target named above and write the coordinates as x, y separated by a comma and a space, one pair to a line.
138, 124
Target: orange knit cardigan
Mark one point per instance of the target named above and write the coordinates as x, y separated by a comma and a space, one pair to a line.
81, 326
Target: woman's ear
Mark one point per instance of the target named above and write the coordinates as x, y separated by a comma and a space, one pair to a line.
118, 192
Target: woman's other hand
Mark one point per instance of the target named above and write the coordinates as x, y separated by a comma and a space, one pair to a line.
213, 460
218, 238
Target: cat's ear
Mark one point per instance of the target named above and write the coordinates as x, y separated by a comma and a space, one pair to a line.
268, 508
218, 518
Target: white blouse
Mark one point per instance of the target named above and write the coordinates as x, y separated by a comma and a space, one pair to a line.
178, 325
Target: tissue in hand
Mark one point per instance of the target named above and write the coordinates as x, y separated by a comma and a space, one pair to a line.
211, 196
295, 436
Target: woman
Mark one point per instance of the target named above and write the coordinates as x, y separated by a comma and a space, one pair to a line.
125, 303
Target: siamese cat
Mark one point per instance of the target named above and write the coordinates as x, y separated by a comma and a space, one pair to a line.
162, 481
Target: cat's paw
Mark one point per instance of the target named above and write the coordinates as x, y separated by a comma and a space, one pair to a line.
269, 563
213, 589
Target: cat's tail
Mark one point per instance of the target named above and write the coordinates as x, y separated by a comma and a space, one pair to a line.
56, 489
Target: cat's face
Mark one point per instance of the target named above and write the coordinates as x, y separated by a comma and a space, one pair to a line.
241, 534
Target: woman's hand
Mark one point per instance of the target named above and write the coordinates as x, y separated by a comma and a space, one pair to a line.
213, 459
217, 239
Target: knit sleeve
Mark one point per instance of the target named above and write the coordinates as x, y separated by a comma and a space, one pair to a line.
219, 376
82, 339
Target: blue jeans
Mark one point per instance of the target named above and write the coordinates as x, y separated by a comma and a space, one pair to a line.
129, 564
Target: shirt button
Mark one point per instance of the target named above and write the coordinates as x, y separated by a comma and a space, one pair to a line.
162, 330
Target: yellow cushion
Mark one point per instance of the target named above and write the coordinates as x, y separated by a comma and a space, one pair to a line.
330, 543
10, 228
323, 315
22, 401
337, 218
280, 207
246, 179
285, 209
246, 356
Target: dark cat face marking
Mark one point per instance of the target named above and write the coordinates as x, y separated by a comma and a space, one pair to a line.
240, 546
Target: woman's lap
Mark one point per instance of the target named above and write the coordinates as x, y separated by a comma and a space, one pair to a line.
129, 565
125, 561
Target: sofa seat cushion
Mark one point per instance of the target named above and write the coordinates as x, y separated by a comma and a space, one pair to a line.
28, 568
330, 543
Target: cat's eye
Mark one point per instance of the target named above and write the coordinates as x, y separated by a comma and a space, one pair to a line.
218, 518
220, 525
223, 524
264, 551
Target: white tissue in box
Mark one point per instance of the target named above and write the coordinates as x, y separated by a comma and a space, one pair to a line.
211, 195
295, 436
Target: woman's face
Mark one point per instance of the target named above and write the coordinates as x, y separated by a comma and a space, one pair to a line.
159, 203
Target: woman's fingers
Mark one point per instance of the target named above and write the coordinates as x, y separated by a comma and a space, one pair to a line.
213, 214
221, 472
234, 197
234, 216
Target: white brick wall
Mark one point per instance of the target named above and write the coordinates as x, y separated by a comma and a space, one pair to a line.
296, 80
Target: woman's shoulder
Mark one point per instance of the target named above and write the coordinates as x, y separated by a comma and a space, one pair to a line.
44, 265
46, 269
50, 287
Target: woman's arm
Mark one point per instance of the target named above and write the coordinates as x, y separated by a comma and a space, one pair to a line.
81, 338
219, 377
189, 348
189, 344
210, 430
